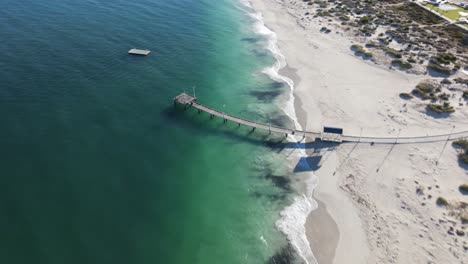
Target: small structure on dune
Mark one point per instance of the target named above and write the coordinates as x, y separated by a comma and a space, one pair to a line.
333, 134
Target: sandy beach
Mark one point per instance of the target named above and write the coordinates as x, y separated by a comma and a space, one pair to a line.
376, 203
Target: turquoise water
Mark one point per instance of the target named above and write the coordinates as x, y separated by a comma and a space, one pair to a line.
97, 166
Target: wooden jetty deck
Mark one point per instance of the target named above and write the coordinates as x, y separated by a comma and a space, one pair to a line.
139, 52
191, 101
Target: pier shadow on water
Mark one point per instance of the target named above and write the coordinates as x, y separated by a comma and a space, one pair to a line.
202, 125
308, 164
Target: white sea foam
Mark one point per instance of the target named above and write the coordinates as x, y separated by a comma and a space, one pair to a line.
273, 71
293, 217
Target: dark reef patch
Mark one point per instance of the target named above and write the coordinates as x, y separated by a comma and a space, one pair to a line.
250, 40
265, 95
281, 182
285, 255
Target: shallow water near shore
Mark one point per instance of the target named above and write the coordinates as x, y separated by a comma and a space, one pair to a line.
97, 164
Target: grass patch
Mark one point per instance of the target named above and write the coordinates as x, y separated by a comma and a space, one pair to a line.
451, 14
414, 12
441, 108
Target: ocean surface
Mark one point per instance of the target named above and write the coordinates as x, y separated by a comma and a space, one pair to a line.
96, 163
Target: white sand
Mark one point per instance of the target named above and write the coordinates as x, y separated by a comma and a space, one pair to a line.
370, 191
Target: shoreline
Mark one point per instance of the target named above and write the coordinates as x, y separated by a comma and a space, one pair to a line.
321, 227
365, 211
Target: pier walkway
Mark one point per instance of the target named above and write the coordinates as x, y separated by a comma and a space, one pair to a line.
190, 101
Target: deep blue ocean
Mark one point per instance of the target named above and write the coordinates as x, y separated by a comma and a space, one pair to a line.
96, 164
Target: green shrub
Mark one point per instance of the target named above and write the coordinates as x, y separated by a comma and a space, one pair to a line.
445, 81
444, 96
364, 20
383, 41
463, 158
406, 96
441, 201
446, 58
439, 68
463, 188
358, 49
461, 143
464, 218
401, 64
465, 94
344, 18
372, 45
461, 81
444, 108
392, 52
426, 91
426, 87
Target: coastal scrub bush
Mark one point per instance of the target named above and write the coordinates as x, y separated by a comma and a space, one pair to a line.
461, 143
463, 188
384, 41
439, 68
405, 96
445, 81
463, 156
441, 201
444, 96
443, 108
344, 18
392, 52
401, 64
425, 91
461, 81
465, 95
445, 58
372, 45
464, 218
359, 50
325, 30
364, 20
